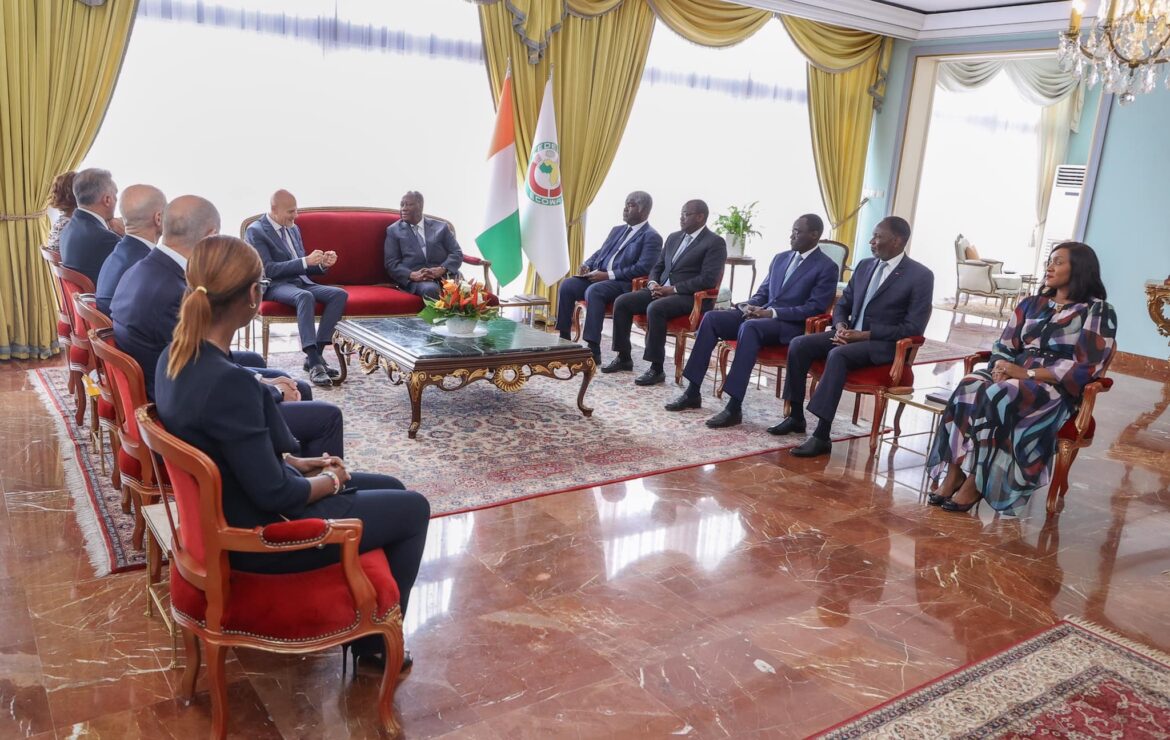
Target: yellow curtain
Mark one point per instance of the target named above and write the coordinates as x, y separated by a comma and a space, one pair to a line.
597, 66
58, 67
710, 22
845, 75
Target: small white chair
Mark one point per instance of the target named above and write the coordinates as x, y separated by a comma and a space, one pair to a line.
975, 275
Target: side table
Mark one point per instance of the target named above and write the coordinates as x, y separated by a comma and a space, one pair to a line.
915, 399
158, 591
528, 302
743, 261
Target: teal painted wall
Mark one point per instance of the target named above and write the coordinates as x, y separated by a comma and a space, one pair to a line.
1129, 218
880, 159
1081, 142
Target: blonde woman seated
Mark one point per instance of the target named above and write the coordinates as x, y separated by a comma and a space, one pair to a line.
997, 437
214, 404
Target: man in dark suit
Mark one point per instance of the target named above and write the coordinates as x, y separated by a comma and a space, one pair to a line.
92, 233
142, 207
277, 239
888, 299
691, 261
145, 311
420, 252
629, 251
799, 284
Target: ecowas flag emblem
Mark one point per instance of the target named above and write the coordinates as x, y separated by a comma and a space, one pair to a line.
543, 183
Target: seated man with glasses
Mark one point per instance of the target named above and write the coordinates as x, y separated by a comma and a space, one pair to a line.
145, 311
277, 240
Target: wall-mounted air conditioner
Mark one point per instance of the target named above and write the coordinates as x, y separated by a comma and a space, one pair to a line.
1063, 204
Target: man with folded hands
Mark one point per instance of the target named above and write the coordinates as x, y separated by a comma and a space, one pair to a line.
799, 285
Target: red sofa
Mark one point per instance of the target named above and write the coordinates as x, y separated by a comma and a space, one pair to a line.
357, 235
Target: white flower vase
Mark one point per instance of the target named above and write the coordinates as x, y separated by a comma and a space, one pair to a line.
461, 326
735, 245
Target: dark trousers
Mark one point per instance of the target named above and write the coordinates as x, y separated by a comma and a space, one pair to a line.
804, 350
658, 312
304, 298
254, 361
750, 335
317, 425
423, 288
597, 297
393, 519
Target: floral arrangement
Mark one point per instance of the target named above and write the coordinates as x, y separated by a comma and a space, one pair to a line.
468, 300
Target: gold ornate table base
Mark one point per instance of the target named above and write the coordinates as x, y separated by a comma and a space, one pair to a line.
1158, 303
509, 372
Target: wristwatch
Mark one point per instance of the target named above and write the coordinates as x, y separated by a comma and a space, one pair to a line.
1031, 374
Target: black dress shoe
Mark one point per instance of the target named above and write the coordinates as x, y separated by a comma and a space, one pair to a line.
650, 377
813, 447
318, 375
617, 364
725, 418
683, 401
333, 372
788, 425
376, 660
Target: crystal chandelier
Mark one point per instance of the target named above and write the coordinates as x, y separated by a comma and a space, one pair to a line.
1122, 49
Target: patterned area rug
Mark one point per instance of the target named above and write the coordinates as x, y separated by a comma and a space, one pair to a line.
477, 447
1074, 680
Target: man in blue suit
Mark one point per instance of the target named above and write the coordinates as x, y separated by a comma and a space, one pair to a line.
888, 299
629, 251
145, 311
142, 207
800, 284
92, 233
420, 252
277, 239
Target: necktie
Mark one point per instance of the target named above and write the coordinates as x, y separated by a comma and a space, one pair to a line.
422, 239
792, 265
686, 242
611, 252
874, 283
284, 237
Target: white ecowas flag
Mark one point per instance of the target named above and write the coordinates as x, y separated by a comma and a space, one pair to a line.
542, 209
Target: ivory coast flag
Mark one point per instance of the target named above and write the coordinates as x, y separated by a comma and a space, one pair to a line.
500, 240
542, 211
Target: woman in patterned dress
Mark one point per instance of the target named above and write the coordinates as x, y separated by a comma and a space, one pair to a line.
61, 198
997, 437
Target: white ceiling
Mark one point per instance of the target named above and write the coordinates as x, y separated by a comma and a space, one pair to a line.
932, 19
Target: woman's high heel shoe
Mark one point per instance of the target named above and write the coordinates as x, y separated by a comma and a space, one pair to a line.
951, 505
936, 499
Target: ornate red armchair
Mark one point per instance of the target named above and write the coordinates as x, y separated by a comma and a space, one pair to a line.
218, 608
681, 327
134, 463
876, 381
106, 417
1075, 434
775, 356
580, 306
64, 328
74, 283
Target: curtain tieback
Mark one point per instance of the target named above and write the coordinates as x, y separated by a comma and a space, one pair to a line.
27, 217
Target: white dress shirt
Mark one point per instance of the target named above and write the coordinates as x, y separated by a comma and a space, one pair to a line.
633, 230
289, 243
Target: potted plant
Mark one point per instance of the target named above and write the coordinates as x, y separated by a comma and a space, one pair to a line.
461, 305
736, 226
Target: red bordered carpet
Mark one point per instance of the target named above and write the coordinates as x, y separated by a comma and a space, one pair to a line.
1074, 680
477, 447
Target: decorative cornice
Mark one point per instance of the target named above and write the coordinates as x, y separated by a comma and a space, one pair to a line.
902, 23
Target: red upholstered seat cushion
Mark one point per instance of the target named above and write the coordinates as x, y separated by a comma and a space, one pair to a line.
358, 237
364, 300
292, 606
78, 357
1069, 430
106, 410
129, 467
877, 376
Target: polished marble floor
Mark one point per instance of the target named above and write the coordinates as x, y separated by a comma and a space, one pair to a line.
763, 597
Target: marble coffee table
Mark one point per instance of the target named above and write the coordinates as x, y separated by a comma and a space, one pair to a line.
410, 352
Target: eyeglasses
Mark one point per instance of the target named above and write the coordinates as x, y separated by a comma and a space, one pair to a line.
263, 283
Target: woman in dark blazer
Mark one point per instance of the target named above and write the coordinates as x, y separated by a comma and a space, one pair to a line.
210, 402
